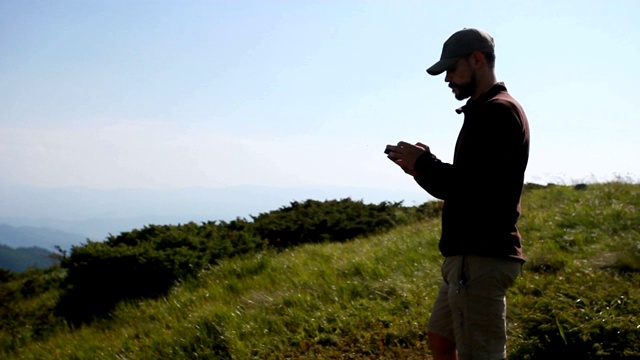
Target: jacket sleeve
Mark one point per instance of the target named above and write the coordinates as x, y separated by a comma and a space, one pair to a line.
490, 159
434, 176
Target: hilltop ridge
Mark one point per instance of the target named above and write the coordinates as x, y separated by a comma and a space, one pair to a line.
579, 296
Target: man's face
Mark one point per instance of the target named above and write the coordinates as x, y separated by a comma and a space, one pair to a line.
462, 79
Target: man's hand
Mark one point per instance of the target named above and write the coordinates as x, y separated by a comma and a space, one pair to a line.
405, 155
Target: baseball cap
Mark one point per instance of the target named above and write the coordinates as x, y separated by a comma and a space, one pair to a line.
461, 43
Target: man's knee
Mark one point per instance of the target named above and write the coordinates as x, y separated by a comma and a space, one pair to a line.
441, 347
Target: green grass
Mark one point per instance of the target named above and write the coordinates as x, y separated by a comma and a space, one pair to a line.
370, 298
580, 294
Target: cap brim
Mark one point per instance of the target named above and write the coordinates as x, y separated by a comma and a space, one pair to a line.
441, 66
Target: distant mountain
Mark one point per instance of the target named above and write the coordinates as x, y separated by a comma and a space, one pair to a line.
45, 238
21, 259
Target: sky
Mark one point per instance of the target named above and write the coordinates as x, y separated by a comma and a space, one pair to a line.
175, 94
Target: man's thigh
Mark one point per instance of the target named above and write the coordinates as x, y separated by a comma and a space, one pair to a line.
476, 294
441, 319
481, 330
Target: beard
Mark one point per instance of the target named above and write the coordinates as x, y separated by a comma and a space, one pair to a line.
464, 90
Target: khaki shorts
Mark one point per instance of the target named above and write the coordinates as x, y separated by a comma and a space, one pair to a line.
471, 306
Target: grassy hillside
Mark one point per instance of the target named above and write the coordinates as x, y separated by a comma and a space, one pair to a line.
578, 298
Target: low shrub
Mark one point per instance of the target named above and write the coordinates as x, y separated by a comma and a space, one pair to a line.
147, 262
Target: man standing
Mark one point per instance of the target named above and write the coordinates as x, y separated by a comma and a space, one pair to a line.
481, 190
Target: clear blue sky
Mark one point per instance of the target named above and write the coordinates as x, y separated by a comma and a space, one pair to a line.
172, 94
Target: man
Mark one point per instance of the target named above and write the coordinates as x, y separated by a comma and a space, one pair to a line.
481, 190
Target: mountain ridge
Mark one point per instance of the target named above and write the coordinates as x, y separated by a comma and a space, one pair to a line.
23, 258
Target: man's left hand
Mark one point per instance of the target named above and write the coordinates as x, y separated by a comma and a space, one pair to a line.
405, 155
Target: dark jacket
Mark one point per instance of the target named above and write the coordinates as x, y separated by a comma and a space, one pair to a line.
482, 188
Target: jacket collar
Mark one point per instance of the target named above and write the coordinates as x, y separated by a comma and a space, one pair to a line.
483, 98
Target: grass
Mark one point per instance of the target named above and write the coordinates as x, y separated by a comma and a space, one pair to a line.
580, 295
370, 298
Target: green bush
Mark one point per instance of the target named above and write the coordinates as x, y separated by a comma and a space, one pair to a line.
335, 220
27, 301
145, 263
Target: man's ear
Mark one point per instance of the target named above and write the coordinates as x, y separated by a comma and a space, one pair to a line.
477, 59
